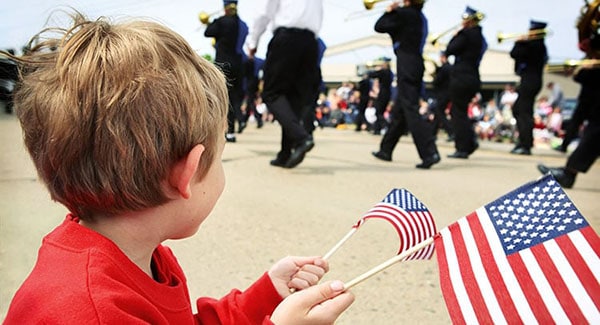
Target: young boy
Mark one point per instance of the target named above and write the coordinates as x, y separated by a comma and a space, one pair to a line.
125, 124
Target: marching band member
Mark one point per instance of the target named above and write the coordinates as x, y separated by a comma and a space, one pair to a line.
407, 27
467, 47
291, 71
530, 55
230, 32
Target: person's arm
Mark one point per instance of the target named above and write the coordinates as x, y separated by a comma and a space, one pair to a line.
263, 18
251, 306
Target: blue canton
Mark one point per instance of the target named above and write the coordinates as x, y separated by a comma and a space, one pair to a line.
405, 200
534, 213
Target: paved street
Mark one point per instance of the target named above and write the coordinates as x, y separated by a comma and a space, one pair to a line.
266, 213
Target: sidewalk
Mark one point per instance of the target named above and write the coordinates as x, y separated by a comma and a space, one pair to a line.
267, 212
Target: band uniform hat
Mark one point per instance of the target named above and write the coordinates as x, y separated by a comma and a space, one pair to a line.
229, 2
471, 13
384, 59
533, 24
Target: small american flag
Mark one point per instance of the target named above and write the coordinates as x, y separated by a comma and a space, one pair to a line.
410, 218
528, 257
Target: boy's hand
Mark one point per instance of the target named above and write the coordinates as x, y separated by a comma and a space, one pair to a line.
319, 304
297, 273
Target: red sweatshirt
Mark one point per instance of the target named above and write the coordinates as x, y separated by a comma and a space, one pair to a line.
81, 277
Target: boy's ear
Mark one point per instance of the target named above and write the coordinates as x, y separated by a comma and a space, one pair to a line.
184, 171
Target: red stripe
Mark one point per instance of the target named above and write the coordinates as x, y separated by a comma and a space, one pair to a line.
586, 276
470, 282
446, 283
561, 291
532, 294
592, 238
581, 269
492, 271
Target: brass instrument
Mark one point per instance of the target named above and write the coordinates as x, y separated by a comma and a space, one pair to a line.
369, 4
433, 39
571, 64
588, 26
204, 17
530, 35
478, 16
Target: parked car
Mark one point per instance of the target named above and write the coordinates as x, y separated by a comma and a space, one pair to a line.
567, 108
8, 79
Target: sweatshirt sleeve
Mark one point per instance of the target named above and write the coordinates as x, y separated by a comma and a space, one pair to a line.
252, 306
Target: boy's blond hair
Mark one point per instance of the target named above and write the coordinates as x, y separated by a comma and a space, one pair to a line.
107, 109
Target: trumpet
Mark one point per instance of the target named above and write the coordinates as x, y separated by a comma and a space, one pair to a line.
531, 35
205, 17
571, 64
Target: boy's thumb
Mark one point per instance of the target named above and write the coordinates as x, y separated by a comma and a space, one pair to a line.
324, 291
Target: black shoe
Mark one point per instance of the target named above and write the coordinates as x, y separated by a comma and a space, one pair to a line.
521, 151
459, 155
230, 137
278, 162
427, 163
565, 178
475, 147
560, 149
259, 124
241, 127
382, 155
299, 152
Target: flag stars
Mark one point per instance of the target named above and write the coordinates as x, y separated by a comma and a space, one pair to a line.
550, 228
561, 212
546, 189
520, 210
530, 211
567, 204
561, 228
555, 220
572, 213
536, 204
551, 212
567, 220
526, 203
579, 221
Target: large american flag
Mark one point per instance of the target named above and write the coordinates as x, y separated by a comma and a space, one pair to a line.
410, 218
528, 257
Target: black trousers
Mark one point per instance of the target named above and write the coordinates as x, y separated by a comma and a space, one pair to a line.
405, 112
523, 111
234, 75
461, 94
588, 149
291, 78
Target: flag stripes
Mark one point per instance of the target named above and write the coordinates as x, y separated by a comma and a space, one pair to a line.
539, 284
410, 218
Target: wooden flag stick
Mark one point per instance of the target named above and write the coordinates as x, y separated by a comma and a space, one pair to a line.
339, 244
388, 263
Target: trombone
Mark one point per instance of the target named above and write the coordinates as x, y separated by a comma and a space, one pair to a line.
530, 35
568, 65
478, 16
436, 37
